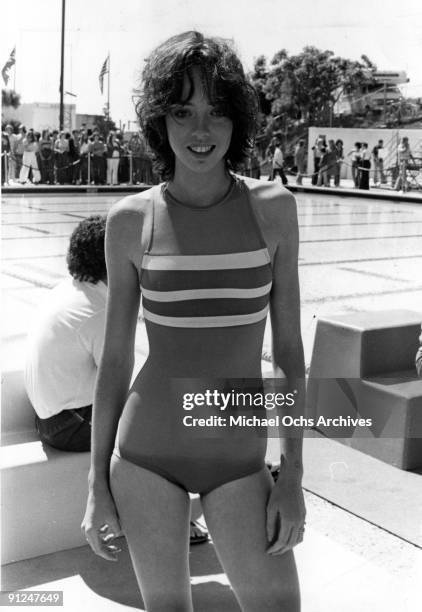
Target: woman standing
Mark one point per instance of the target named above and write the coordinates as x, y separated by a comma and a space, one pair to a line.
61, 150
29, 160
365, 166
46, 158
404, 155
211, 253
113, 157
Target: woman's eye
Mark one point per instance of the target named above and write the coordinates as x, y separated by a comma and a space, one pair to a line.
218, 112
180, 113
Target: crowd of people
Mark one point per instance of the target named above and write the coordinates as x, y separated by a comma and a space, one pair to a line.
85, 156
79, 157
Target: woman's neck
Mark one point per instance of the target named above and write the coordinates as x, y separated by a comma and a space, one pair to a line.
193, 187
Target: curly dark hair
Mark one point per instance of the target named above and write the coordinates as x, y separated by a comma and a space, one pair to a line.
223, 79
85, 255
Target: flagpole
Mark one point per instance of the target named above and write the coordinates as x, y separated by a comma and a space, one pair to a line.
61, 112
108, 92
14, 74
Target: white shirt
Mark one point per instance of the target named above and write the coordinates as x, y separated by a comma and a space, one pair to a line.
65, 346
278, 159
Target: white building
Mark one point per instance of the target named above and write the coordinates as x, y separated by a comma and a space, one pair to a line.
42, 115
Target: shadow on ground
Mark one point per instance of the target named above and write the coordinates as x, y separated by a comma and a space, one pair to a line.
116, 581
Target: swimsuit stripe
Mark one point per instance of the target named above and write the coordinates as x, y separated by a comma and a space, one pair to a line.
181, 280
218, 321
200, 294
225, 261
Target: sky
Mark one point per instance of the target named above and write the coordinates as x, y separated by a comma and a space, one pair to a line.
389, 32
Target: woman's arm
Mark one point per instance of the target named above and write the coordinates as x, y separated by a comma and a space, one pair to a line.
286, 501
123, 230
123, 239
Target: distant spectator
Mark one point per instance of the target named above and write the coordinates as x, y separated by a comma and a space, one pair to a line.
136, 149
354, 154
404, 155
278, 163
75, 168
83, 157
114, 150
61, 150
97, 160
46, 157
317, 150
255, 164
339, 161
12, 152
29, 160
419, 358
300, 160
19, 149
365, 165
5, 152
378, 154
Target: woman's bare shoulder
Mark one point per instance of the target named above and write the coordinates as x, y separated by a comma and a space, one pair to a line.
273, 204
134, 205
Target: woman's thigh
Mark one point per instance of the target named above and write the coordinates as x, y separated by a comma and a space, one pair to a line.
236, 517
154, 516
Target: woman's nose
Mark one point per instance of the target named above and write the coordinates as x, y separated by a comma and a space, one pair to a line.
201, 125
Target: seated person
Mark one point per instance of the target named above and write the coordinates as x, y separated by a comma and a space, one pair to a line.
65, 346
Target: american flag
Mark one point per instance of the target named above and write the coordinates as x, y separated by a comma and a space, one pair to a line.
103, 71
6, 68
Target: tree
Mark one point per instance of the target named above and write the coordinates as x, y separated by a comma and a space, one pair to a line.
303, 88
9, 97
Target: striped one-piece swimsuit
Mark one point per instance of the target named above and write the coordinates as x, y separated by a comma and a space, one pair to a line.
206, 280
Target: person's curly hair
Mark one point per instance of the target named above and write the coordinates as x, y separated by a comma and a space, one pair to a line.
224, 82
85, 255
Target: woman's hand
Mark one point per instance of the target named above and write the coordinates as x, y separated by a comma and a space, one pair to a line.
100, 525
285, 516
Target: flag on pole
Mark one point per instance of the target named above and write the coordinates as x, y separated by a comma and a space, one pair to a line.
8, 65
103, 71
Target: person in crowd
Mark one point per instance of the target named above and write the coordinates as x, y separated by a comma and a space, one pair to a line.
19, 149
29, 160
83, 156
114, 151
300, 160
317, 150
255, 164
124, 165
278, 163
97, 159
418, 359
365, 166
378, 153
12, 176
135, 147
199, 114
5, 156
323, 168
339, 161
404, 155
74, 158
355, 156
46, 157
61, 151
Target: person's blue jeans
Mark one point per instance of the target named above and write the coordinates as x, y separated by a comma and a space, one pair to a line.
70, 430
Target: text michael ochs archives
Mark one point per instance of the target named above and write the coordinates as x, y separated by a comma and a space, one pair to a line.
234, 400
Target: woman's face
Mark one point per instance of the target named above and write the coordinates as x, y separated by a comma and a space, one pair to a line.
198, 132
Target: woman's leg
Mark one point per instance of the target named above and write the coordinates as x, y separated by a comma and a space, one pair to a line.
154, 515
236, 517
